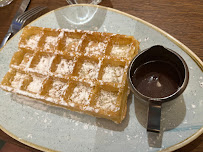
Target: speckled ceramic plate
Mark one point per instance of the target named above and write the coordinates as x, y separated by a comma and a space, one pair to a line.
54, 129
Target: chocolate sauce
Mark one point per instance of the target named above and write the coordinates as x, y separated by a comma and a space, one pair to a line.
156, 79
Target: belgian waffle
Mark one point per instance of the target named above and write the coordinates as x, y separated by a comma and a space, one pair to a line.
82, 71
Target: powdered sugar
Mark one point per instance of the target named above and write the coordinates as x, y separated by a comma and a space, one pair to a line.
44, 63
81, 94
18, 80
72, 43
26, 60
65, 67
120, 50
95, 48
113, 74
32, 42
36, 85
50, 42
57, 89
107, 101
89, 70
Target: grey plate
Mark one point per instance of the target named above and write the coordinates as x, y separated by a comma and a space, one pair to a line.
50, 128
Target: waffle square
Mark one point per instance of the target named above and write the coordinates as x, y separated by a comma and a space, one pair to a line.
82, 71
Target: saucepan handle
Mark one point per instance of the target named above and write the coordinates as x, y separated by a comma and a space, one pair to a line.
154, 117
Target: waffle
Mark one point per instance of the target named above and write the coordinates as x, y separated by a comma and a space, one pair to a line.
82, 71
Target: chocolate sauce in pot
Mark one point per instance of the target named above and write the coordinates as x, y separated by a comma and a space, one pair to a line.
156, 79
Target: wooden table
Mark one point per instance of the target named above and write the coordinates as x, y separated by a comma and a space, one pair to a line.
182, 19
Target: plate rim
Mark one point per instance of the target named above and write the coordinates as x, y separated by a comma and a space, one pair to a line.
168, 36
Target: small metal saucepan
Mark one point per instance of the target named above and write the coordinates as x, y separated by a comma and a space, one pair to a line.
157, 53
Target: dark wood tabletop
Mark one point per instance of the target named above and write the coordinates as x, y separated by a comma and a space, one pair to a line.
181, 19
